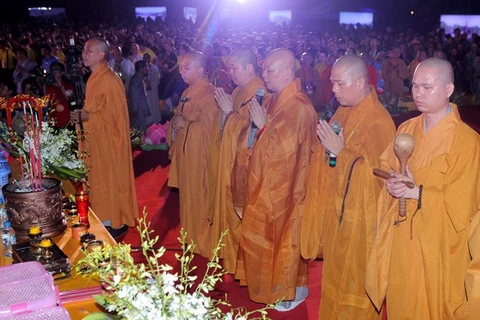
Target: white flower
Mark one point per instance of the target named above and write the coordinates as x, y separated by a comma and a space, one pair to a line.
169, 279
116, 279
157, 294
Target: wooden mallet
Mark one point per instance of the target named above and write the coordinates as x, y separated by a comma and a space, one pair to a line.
404, 145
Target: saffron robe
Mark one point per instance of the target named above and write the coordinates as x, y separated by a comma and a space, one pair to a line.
190, 161
310, 77
394, 71
427, 267
340, 216
233, 144
107, 140
269, 257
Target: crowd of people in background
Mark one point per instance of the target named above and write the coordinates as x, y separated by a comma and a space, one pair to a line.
248, 155
33, 52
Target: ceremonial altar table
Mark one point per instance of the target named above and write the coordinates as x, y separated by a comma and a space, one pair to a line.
71, 247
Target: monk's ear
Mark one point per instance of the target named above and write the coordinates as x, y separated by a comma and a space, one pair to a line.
361, 83
450, 89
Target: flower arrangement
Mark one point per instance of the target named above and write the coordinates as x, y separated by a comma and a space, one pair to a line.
152, 290
156, 134
44, 150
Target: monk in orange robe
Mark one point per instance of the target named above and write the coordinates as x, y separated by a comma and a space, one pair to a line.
324, 91
192, 127
394, 71
341, 200
269, 257
309, 77
107, 140
427, 264
234, 145
421, 55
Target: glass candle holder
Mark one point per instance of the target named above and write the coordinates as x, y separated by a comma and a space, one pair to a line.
81, 200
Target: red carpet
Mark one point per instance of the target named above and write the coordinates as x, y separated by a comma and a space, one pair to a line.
151, 174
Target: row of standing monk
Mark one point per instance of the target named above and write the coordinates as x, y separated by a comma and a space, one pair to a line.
261, 172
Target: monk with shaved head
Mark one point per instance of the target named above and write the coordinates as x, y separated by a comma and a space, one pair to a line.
269, 256
234, 138
107, 139
342, 191
189, 138
426, 265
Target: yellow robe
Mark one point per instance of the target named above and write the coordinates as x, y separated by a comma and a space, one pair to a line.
233, 142
428, 266
190, 162
269, 257
107, 133
345, 237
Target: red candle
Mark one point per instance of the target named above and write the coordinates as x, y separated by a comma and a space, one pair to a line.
81, 200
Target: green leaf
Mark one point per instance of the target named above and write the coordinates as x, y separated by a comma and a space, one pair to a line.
100, 299
101, 316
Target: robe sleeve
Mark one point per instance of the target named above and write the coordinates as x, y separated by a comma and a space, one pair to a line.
460, 192
472, 280
111, 92
369, 152
402, 70
295, 134
462, 198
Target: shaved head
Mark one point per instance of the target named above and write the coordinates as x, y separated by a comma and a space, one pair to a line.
279, 69
198, 59
353, 65
350, 80
432, 86
443, 68
100, 45
95, 52
193, 67
285, 57
245, 56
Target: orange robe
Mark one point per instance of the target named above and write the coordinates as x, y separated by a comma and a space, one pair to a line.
190, 162
394, 71
411, 70
233, 145
107, 134
310, 77
324, 91
345, 237
269, 258
428, 266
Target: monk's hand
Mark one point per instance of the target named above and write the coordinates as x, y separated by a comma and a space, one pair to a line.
178, 123
78, 114
332, 142
224, 100
258, 114
398, 189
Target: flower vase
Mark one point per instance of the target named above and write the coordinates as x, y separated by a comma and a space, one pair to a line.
35, 208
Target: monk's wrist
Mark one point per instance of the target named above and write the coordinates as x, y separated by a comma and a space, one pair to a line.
229, 115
